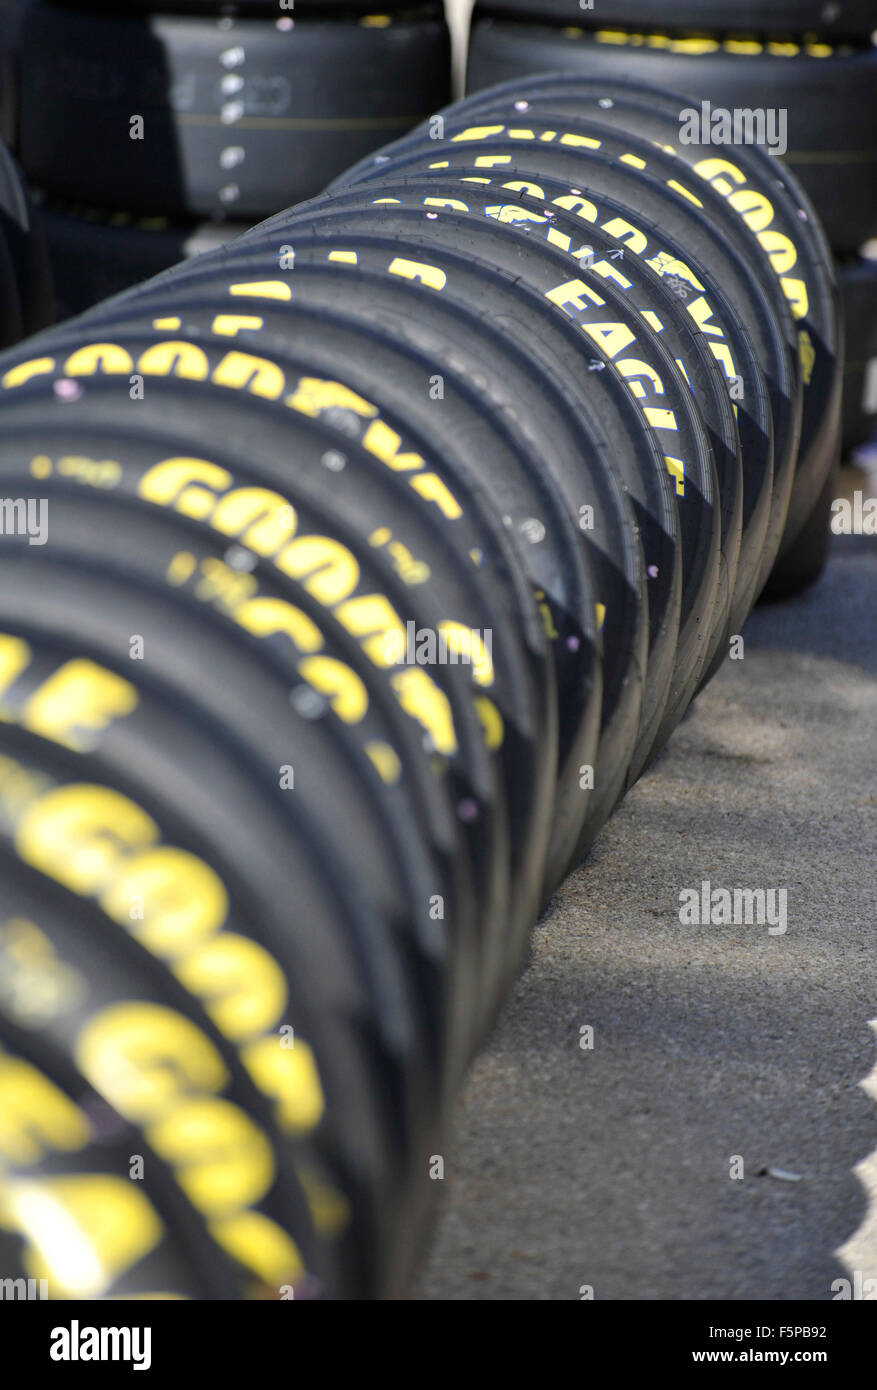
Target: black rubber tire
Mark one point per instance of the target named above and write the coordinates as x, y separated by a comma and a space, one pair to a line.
24, 238
771, 203
179, 1260
460, 435
117, 969
697, 219
804, 562
11, 315
521, 249
365, 1040
827, 18
858, 287
391, 311
12, 14
831, 100
239, 119
717, 494
423, 948
93, 256
754, 416
555, 492
202, 361
171, 763
367, 498
25, 287
173, 410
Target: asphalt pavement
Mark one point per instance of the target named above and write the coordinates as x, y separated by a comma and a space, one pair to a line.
718, 1139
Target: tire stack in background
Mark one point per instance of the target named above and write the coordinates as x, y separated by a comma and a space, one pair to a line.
156, 130
814, 59
25, 284
384, 548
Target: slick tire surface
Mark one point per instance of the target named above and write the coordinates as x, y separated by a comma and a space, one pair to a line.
12, 14
804, 561
830, 96
858, 286
239, 118
24, 275
93, 258
807, 276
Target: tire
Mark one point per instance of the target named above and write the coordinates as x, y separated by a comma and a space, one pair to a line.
399, 313
771, 204
732, 347
179, 1260
12, 14
613, 547
464, 767
607, 398
25, 241
11, 309
381, 410
831, 149
858, 286
826, 18
654, 188
341, 971
94, 256
803, 562
114, 972
367, 499
460, 430
238, 119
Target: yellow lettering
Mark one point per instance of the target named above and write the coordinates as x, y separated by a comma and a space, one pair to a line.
258, 517
35, 1116
173, 483
142, 1057
242, 985
289, 1076
80, 698
107, 357
223, 1160
174, 359
77, 833
327, 568
258, 375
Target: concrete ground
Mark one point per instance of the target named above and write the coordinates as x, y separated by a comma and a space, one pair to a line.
611, 1167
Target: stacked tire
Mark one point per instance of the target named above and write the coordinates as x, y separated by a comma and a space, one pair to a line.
25, 290
152, 128
809, 66
385, 548
857, 276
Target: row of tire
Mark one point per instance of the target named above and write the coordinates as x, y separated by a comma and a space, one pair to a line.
385, 547
812, 62
152, 131
121, 210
